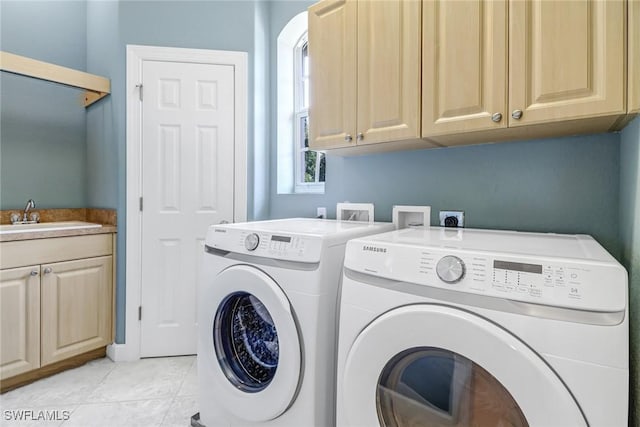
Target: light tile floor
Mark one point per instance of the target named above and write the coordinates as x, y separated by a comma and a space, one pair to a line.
155, 392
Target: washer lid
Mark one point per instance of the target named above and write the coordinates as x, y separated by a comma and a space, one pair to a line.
447, 374
253, 347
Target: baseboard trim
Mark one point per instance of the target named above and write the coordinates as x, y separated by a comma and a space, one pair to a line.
54, 368
122, 353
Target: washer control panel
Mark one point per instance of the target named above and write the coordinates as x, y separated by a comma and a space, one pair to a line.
268, 245
578, 284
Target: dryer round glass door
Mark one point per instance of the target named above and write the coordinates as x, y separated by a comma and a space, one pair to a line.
436, 365
246, 342
432, 386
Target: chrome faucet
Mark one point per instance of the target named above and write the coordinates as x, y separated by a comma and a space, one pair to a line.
30, 205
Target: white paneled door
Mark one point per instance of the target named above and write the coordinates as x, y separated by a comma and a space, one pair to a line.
187, 184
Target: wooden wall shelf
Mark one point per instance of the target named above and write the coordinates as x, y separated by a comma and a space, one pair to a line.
95, 87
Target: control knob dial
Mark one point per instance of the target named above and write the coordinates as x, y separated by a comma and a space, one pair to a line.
251, 242
450, 269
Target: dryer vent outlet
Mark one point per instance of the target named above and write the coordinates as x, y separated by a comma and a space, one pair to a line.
453, 219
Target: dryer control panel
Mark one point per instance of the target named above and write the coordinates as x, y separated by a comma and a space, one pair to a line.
569, 283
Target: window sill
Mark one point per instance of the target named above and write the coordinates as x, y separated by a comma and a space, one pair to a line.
309, 189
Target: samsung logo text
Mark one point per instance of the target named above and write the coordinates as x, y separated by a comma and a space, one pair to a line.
367, 248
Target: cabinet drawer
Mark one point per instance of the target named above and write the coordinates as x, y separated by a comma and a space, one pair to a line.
41, 251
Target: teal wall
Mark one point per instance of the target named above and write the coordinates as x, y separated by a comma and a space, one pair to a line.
42, 125
565, 185
106, 149
105, 156
630, 240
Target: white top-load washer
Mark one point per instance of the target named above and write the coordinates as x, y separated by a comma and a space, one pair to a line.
267, 321
461, 327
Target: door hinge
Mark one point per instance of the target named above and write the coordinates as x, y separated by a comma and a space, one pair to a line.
139, 312
140, 204
139, 86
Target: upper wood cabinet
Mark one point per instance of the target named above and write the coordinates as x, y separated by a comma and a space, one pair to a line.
364, 71
464, 66
566, 60
388, 70
491, 70
333, 89
492, 64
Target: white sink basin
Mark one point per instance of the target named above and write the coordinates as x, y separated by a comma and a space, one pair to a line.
46, 226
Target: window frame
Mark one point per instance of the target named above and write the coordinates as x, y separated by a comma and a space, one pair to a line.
289, 157
301, 111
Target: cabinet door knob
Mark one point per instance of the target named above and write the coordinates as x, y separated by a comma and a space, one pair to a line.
360, 136
517, 114
348, 137
496, 117
34, 273
48, 270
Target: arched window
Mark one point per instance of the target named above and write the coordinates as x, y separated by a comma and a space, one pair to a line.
300, 170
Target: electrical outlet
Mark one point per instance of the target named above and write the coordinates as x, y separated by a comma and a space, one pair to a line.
452, 218
321, 213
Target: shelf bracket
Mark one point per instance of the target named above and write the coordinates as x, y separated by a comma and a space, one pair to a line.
95, 87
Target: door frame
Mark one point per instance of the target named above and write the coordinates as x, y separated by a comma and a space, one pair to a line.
136, 55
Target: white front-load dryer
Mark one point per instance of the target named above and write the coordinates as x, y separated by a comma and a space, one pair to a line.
442, 327
267, 312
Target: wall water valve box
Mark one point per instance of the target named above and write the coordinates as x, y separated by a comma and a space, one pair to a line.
354, 212
411, 216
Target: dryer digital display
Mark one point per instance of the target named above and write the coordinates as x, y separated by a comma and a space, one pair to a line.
518, 266
285, 239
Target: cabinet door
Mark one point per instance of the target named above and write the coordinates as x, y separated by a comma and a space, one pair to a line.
332, 73
389, 39
464, 66
566, 60
19, 320
76, 307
